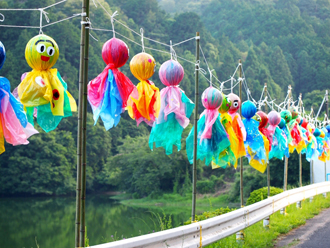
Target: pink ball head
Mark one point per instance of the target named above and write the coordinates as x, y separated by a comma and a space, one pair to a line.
211, 98
235, 103
274, 118
115, 52
171, 73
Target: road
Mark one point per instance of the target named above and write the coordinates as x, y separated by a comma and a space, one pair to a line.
314, 234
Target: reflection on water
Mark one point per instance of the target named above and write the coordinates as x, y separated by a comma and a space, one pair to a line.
51, 221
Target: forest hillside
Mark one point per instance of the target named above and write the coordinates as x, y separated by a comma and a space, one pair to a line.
281, 43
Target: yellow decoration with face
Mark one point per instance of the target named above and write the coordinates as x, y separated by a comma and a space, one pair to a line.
143, 66
41, 52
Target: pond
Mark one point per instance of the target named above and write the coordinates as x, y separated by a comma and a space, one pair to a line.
50, 221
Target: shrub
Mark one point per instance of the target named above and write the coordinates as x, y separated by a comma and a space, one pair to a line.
210, 214
260, 194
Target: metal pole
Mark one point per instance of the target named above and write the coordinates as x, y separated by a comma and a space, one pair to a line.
267, 219
240, 113
286, 162
240, 234
268, 170
84, 138
327, 113
300, 162
80, 127
194, 177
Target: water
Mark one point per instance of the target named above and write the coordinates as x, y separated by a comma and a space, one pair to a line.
51, 221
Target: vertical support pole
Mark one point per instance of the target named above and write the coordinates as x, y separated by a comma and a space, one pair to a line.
300, 161
298, 204
327, 113
80, 127
240, 113
286, 160
240, 234
84, 127
268, 170
194, 177
267, 219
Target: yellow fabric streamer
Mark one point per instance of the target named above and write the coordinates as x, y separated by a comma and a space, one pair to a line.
148, 94
41, 87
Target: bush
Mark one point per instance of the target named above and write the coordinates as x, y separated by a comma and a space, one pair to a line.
260, 194
209, 186
210, 214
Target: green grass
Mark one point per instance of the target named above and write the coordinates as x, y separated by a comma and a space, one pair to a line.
168, 201
257, 236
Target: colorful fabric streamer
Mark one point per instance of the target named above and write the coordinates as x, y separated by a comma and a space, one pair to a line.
108, 93
175, 109
279, 143
14, 126
144, 103
229, 155
43, 88
254, 143
237, 124
211, 135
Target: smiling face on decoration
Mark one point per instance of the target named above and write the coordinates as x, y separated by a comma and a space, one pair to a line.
226, 104
41, 52
235, 103
294, 113
286, 115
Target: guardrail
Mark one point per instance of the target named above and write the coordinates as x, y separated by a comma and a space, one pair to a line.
211, 230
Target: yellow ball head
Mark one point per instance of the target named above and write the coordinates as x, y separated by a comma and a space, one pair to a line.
143, 66
41, 52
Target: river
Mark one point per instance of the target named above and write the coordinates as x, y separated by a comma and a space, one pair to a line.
49, 221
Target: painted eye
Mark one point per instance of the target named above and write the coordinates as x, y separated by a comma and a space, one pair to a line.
235, 104
41, 48
50, 51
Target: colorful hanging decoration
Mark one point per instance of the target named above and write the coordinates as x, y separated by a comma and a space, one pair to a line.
279, 143
211, 135
237, 124
296, 133
108, 93
254, 143
14, 126
43, 88
267, 136
175, 109
229, 155
144, 103
284, 125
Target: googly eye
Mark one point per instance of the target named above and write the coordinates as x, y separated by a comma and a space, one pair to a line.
50, 51
41, 48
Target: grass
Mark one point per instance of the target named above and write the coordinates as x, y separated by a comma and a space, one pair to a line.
176, 200
257, 236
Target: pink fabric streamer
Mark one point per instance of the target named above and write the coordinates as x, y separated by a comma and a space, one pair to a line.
171, 103
211, 116
13, 131
96, 86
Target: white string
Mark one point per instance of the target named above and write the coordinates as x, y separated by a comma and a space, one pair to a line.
192, 38
172, 51
142, 42
150, 48
3, 17
318, 112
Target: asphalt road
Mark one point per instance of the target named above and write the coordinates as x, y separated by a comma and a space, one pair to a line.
314, 234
